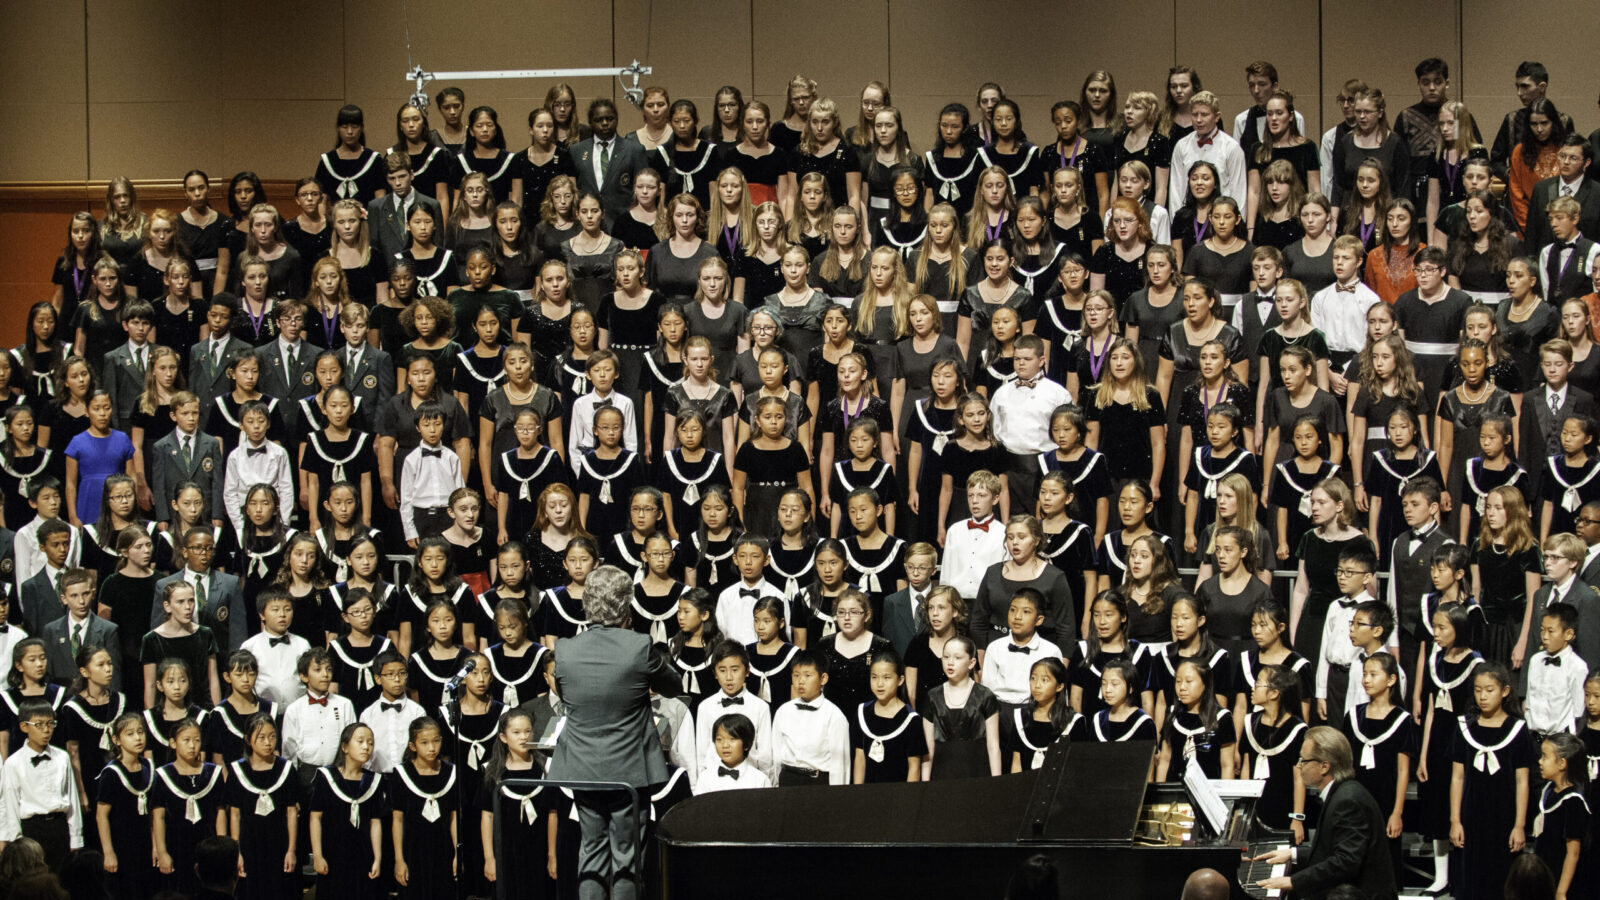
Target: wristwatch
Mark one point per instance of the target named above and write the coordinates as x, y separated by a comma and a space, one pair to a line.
1298, 817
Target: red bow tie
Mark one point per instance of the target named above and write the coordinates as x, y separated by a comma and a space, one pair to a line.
1027, 383
1341, 289
1205, 141
975, 525
316, 701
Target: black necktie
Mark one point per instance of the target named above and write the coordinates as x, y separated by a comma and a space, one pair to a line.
389, 707
1552, 660
255, 451
732, 701
43, 757
1018, 648
436, 454
805, 706
273, 642
725, 772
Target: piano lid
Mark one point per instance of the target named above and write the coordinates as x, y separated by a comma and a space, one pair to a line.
1085, 793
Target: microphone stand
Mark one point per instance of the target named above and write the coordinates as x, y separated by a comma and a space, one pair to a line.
452, 717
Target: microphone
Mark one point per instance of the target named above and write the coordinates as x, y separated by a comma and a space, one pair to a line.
466, 669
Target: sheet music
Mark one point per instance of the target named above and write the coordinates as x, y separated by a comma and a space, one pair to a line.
1206, 799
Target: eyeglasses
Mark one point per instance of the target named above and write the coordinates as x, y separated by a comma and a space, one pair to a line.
1350, 573
917, 570
1428, 268
1303, 760
1583, 520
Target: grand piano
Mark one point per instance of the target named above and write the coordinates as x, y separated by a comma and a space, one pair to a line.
1089, 808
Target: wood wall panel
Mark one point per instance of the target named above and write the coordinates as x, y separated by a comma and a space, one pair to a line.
42, 67
1567, 52
841, 44
1287, 27
1385, 49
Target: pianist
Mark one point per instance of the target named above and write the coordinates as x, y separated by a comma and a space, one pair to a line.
1348, 845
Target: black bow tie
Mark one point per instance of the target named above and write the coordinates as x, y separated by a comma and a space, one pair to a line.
1347, 604
1018, 648
750, 592
4, 628
390, 707
275, 641
732, 701
805, 706
255, 451
43, 757
1552, 660
725, 772
1558, 246
436, 454
603, 404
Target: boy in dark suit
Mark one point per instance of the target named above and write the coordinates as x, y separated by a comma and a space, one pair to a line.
1572, 161
122, 375
901, 609
79, 628
607, 163
369, 373
208, 359
218, 597
187, 454
41, 594
387, 215
288, 364
1545, 407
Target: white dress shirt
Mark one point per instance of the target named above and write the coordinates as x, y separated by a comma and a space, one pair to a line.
970, 548
1222, 151
1021, 416
718, 779
1555, 691
28, 790
311, 730
279, 678
1585, 265
1341, 316
813, 734
1336, 647
391, 729
1006, 671
581, 439
600, 147
426, 482
736, 609
249, 466
712, 708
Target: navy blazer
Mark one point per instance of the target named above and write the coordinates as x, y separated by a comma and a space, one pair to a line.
206, 467
225, 612
62, 668
287, 385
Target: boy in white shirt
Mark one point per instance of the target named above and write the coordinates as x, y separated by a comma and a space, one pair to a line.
731, 667
732, 744
256, 461
428, 476
1556, 674
811, 736
1008, 663
1020, 412
390, 716
602, 369
974, 544
1339, 310
38, 795
1371, 632
277, 652
737, 603
1333, 665
313, 723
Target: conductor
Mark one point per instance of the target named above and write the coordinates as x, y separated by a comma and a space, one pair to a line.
604, 676
1348, 845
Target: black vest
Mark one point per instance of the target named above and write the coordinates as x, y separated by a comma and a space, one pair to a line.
1254, 329
1412, 577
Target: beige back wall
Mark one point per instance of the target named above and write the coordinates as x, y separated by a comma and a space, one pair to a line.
151, 88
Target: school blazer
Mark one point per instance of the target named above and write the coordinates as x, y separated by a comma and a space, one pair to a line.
206, 468
1548, 189
208, 377
40, 602
605, 675
628, 159
1591, 576
124, 381
1348, 847
372, 380
286, 385
225, 612
62, 667
1587, 645
1541, 429
899, 625
388, 230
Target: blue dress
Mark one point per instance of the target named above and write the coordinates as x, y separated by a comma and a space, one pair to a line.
97, 458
